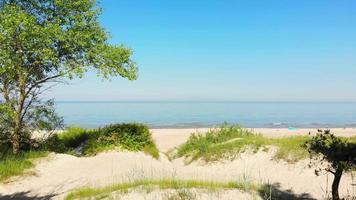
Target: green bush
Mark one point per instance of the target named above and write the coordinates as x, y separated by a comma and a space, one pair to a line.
133, 137
55, 144
73, 137
130, 136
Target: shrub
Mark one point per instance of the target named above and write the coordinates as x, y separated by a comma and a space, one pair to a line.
75, 136
54, 144
130, 136
133, 137
338, 153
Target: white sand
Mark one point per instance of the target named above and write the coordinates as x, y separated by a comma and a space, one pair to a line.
59, 174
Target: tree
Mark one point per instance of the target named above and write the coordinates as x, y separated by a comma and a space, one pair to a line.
339, 154
44, 42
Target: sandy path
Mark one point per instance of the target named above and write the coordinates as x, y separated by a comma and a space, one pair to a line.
59, 174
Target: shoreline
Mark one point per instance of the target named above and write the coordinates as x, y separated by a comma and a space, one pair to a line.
204, 126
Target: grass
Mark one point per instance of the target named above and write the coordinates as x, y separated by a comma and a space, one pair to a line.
16, 165
161, 184
181, 194
289, 149
228, 141
151, 149
82, 142
78, 141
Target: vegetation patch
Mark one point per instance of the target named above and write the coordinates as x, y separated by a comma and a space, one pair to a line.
335, 155
227, 141
78, 141
161, 184
16, 165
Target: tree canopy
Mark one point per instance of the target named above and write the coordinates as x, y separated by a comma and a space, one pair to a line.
46, 41
334, 155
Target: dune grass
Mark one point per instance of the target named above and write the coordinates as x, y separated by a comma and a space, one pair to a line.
16, 165
289, 149
227, 141
83, 142
99, 193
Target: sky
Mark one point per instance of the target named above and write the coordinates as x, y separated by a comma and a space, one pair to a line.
228, 50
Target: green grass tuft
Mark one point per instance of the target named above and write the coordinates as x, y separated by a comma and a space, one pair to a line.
151, 149
289, 149
227, 141
132, 137
16, 165
162, 184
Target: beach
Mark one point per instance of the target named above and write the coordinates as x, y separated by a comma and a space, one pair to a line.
56, 175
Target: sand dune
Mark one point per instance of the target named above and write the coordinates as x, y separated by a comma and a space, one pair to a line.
58, 174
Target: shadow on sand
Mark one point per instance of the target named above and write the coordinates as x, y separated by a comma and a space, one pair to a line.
269, 192
24, 196
274, 192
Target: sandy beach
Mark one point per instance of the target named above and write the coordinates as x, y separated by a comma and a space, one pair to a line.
55, 176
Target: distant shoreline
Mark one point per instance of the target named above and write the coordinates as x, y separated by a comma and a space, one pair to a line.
217, 101
189, 126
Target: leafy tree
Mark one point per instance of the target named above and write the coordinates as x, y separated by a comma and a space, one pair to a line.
336, 155
44, 42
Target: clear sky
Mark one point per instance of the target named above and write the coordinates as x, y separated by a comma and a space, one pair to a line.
229, 50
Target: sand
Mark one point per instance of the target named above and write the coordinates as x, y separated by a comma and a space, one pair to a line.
58, 174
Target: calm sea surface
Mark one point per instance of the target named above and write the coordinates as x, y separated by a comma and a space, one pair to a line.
204, 114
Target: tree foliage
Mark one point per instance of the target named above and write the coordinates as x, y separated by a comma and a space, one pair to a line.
332, 154
48, 41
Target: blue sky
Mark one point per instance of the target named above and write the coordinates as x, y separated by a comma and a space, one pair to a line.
229, 50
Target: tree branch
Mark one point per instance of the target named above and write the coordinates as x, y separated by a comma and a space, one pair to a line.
329, 170
42, 81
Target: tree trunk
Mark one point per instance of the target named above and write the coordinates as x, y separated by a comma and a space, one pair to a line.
15, 141
16, 138
336, 182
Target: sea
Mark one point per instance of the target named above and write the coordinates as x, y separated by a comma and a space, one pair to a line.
193, 114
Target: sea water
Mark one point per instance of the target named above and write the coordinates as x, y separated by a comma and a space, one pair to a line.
167, 114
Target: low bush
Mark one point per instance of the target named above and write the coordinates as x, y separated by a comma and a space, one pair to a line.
68, 141
132, 137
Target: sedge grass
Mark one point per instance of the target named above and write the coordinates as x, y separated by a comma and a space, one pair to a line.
16, 165
229, 140
91, 193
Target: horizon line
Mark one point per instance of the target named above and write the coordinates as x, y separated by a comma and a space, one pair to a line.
205, 101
